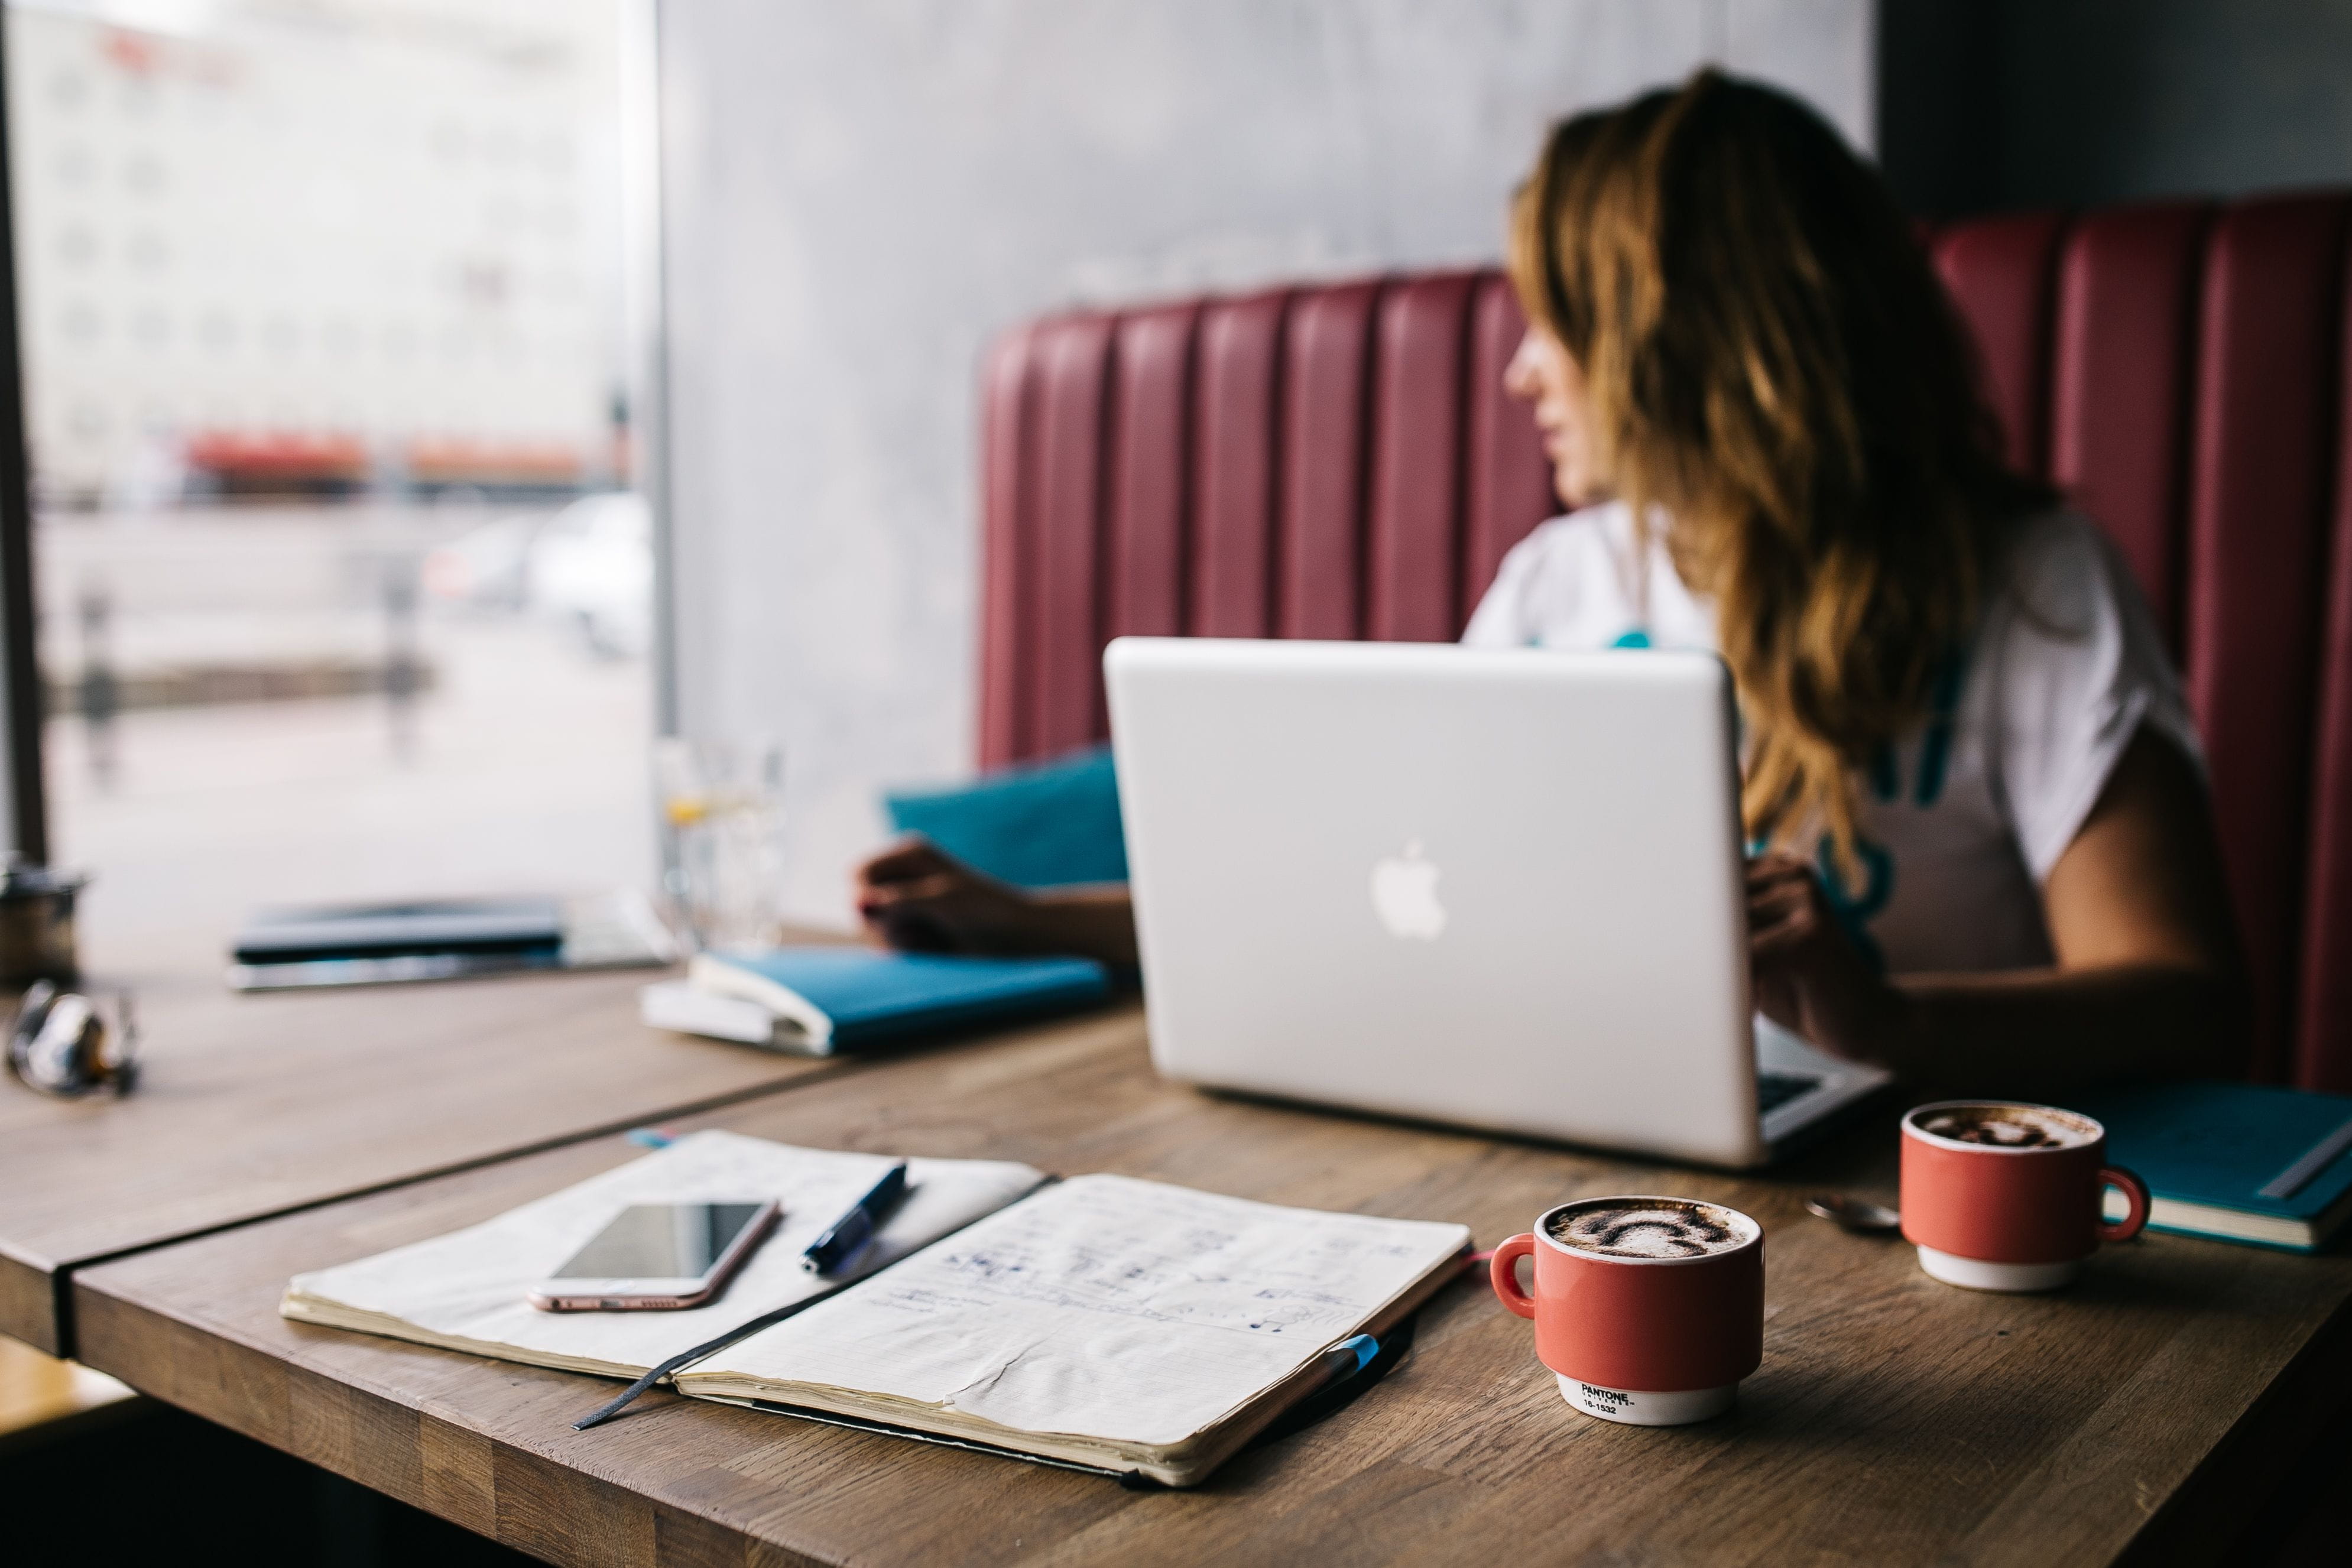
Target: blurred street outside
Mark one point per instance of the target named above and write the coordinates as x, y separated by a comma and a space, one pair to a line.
521, 753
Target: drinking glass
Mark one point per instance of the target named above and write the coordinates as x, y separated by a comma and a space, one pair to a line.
722, 812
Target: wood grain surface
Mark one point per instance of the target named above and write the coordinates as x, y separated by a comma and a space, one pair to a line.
1895, 1420
251, 1105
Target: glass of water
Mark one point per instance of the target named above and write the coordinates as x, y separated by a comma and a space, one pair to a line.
722, 813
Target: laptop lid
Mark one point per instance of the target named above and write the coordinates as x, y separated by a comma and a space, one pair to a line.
1497, 888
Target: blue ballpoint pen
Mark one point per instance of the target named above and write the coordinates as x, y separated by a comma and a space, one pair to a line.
847, 1237
1347, 1358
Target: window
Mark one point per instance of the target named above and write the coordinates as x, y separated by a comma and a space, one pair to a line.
342, 594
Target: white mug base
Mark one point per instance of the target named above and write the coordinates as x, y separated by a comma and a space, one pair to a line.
1975, 1274
1646, 1409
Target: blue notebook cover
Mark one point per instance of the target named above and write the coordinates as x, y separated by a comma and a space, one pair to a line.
844, 998
2243, 1162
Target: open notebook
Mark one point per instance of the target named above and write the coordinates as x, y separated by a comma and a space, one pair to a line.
466, 1290
1104, 1322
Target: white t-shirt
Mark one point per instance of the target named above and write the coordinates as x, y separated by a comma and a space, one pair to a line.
1963, 820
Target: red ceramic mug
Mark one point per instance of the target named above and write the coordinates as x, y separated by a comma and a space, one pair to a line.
2000, 1196
1648, 1310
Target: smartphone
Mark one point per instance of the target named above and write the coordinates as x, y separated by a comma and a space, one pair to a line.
658, 1256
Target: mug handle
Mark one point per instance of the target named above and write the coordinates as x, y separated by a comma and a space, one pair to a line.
1504, 1272
2135, 1193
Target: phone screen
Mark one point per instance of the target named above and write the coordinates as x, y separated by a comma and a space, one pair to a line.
662, 1241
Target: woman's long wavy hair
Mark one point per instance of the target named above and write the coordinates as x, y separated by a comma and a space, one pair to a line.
1773, 366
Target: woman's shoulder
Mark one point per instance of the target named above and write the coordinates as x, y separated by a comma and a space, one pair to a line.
2078, 666
2061, 575
2060, 541
2070, 625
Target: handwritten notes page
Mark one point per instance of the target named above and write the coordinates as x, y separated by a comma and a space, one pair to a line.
1130, 1315
467, 1291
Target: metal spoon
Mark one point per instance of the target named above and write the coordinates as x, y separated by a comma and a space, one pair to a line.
1858, 1215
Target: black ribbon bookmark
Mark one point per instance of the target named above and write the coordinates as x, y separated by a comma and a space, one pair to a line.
687, 1358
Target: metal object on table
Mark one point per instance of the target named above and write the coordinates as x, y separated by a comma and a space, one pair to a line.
69, 1044
1858, 1215
37, 924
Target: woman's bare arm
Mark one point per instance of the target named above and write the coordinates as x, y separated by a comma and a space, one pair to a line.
2149, 981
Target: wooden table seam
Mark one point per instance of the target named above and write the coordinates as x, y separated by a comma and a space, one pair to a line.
61, 1271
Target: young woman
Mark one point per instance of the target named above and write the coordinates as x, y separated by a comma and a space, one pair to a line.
1984, 853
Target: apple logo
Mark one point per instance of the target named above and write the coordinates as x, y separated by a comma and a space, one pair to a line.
1404, 895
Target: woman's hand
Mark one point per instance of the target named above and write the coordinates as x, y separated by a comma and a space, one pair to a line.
917, 897
1805, 972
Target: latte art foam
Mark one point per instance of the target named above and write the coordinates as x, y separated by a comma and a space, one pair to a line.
1651, 1228
2006, 1126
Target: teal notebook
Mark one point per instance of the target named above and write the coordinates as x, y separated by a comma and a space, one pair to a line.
827, 1000
2237, 1162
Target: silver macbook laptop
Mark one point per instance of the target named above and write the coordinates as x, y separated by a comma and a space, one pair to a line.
1502, 889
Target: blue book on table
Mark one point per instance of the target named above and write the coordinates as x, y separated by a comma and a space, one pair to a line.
2237, 1162
827, 1000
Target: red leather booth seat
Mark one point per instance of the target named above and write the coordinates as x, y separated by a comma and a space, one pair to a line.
1339, 460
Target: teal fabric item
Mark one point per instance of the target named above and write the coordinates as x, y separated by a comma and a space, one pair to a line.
1855, 910
1047, 824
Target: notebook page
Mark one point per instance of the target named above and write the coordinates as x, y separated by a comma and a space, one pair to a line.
1104, 1307
471, 1284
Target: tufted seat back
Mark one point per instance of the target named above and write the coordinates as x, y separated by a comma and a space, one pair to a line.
1339, 460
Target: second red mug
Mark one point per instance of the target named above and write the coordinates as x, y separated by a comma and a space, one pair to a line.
1998, 1195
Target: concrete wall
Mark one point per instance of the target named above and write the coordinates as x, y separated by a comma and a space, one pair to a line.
859, 196
1993, 104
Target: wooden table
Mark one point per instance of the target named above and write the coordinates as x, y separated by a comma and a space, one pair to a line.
1895, 1420
251, 1105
